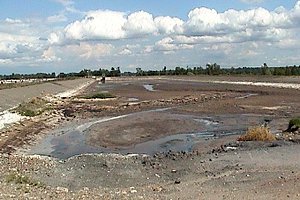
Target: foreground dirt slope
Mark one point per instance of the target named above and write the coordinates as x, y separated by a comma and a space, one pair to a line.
263, 173
14, 96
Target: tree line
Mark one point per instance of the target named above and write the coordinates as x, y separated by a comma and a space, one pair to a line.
209, 69
215, 69
114, 72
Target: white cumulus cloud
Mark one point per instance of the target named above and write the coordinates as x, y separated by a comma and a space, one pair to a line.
139, 24
202, 22
169, 25
97, 25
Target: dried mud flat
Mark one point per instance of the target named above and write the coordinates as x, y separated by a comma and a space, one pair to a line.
215, 165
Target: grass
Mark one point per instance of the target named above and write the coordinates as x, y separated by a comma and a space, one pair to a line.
34, 107
22, 179
100, 96
295, 122
258, 133
294, 125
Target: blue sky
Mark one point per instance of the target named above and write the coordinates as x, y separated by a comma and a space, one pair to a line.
179, 8
66, 35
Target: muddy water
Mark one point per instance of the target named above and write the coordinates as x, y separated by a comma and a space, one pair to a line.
247, 96
149, 87
132, 99
72, 139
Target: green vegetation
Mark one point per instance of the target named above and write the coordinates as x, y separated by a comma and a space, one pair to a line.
295, 122
22, 179
33, 108
215, 69
208, 69
258, 133
15, 76
294, 125
100, 96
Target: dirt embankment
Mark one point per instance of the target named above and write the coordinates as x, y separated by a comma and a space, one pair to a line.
260, 173
14, 96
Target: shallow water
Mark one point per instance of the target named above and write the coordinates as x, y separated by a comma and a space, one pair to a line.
132, 99
247, 96
149, 87
71, 140
74, 143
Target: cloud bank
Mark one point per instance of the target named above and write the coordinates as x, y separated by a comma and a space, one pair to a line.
202, 22
103, 35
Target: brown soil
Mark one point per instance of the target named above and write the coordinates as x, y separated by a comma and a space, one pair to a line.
139, 129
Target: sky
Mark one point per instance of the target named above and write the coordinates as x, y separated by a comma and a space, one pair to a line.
68, 35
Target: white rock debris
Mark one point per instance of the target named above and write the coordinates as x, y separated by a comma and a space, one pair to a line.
7, 117
73, 92
266, 84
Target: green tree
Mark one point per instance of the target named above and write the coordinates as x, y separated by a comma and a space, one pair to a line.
139, 71
265, 70
213, 69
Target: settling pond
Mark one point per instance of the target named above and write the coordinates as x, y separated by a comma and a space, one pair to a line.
71, 139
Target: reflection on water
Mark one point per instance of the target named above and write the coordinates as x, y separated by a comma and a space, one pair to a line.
149, 87
132, 99
247, 96
207, 121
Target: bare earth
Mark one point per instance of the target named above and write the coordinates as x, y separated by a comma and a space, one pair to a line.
14, 96
211, 116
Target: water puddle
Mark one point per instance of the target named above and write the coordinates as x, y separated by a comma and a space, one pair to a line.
149, 87
132, 99
74, 143
106, 86
207, 121
247, 96
72, 139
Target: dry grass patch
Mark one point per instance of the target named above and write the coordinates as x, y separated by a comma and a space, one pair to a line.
258, 133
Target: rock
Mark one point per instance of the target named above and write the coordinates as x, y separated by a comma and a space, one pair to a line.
62, 189
133, 191
230, 148
157, 188
177, 181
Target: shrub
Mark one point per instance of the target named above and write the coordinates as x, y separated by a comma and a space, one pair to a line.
34, 107
294, 122
258, 133
16, 178
294, 125
28, 113
22, 179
